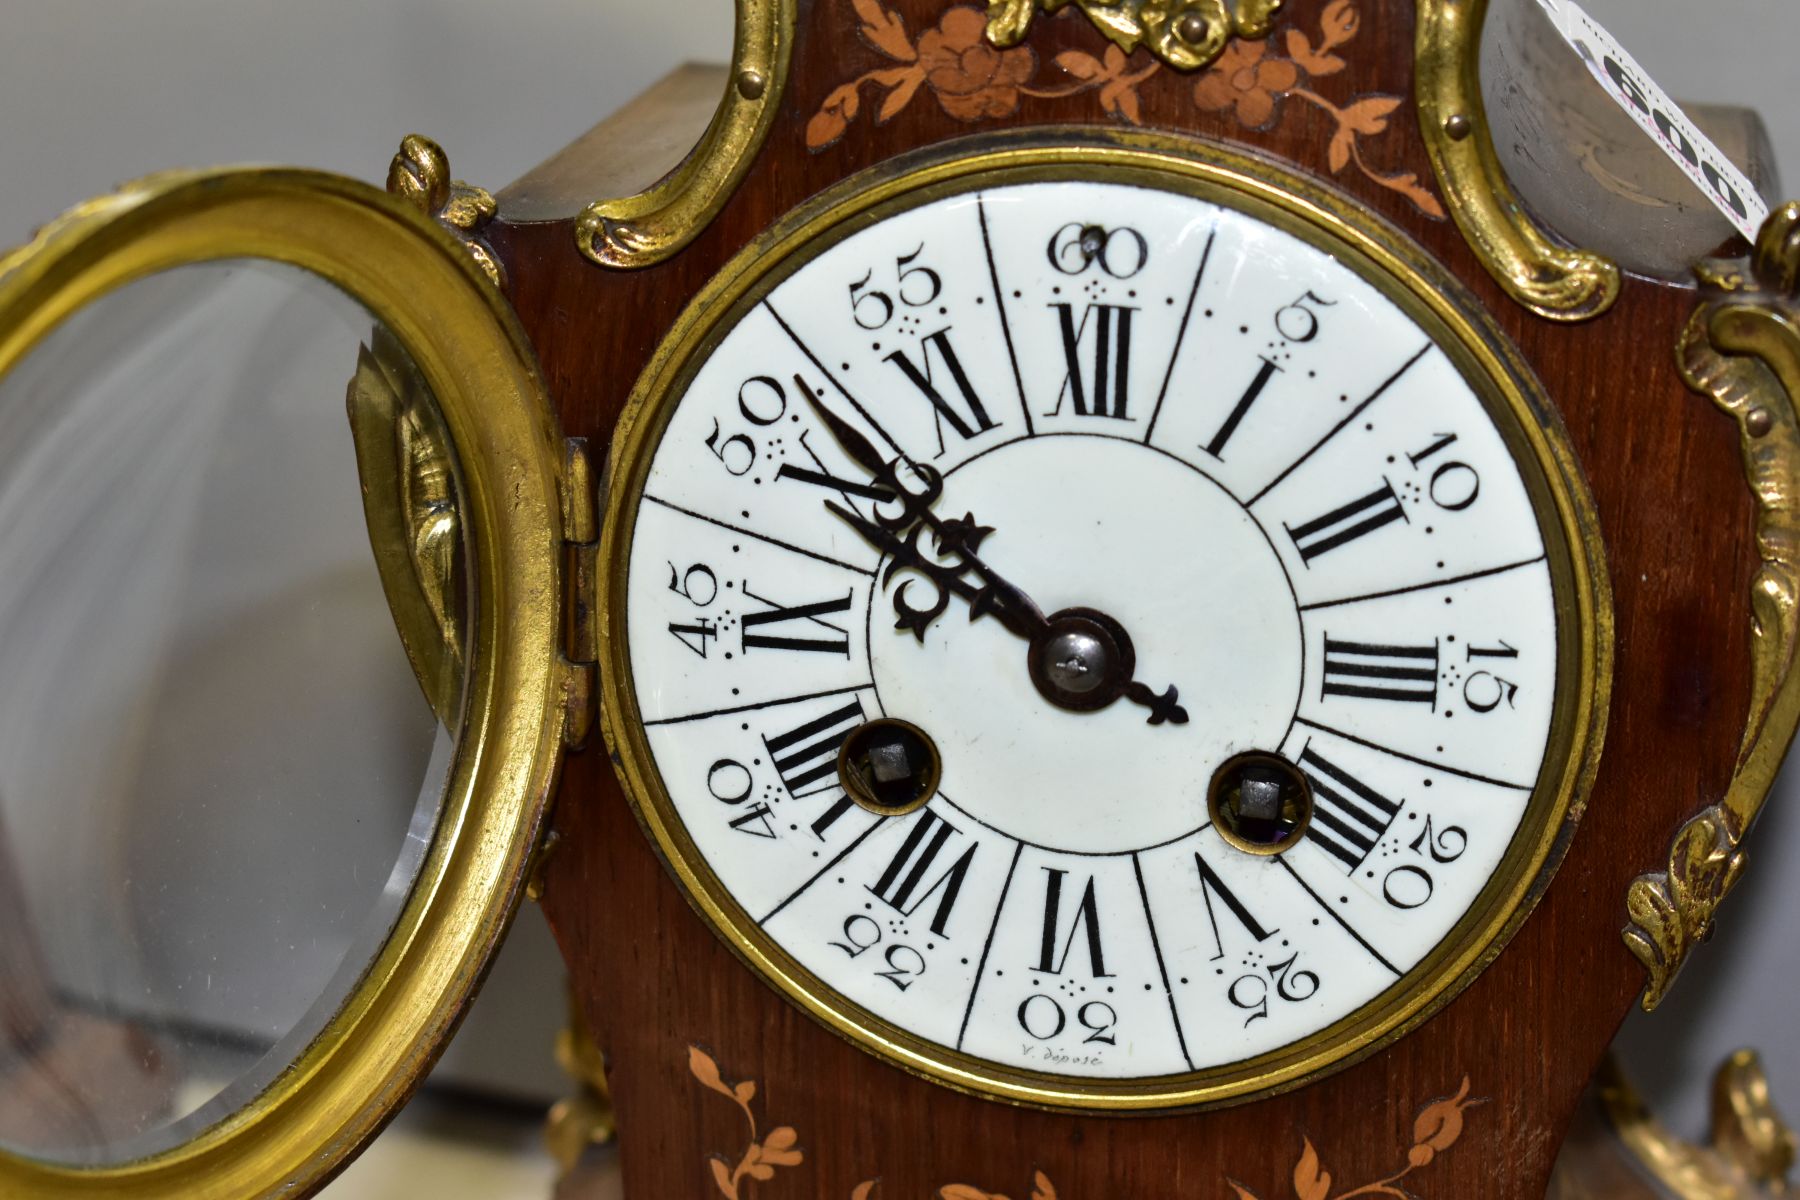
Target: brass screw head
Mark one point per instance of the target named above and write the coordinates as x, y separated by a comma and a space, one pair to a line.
1458, 127
751, 84
1191, 27
1759, 421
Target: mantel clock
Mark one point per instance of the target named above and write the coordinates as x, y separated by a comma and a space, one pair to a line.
1081, 600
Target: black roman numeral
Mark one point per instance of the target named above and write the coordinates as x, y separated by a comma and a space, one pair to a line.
902, 885
806, 757
1087, 917
1212, 886
836, 641
1340, 526
972, 419
868, 489
830, 482
1104, 392
1363, 670
1264, 373
1349, 816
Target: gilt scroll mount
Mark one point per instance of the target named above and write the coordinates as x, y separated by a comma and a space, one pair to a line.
1553, 281
1741, 349
648, 228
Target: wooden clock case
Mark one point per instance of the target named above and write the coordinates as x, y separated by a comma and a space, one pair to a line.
721, 1085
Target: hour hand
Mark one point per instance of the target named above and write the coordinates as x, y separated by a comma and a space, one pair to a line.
1080, 659
948, 571
956, 541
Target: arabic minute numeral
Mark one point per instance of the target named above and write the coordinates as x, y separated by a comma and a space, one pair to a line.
905, 965
732, 784
1120, 253
699, 586
1409, 885
863, 933
1042, 1017
915, 285
1041, 1002
1483, 691
1250, 991
1444, 847
1296, 322
762, 401
1452, 486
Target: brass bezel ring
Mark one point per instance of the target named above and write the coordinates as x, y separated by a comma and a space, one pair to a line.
1509, 392
329, 1101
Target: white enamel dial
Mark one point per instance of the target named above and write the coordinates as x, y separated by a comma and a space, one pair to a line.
1221, 436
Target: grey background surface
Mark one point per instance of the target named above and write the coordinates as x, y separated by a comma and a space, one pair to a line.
96, 91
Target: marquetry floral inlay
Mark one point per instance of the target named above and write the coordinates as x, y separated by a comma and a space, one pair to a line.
1041, 1189
759, 1159
973, 80
1435, 1129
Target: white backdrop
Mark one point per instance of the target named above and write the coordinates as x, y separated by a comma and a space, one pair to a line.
96, 91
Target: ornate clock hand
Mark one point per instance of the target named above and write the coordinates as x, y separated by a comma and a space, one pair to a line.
861, 451
958, 536
995, 595
1080, 658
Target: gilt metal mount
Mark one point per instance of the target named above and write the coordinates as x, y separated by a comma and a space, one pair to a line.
1748, 1155
1742, 350
420, 175
1185, 34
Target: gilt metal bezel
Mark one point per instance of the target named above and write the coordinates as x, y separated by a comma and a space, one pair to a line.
432, 296
1443, 308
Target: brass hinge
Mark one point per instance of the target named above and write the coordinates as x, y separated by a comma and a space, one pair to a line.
581, 614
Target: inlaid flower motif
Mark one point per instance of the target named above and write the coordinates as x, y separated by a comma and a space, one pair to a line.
763, 1154
971, 78
1436, 1128
1247, 80
975, 80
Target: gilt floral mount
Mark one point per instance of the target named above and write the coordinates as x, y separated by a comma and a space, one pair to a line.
973, 80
